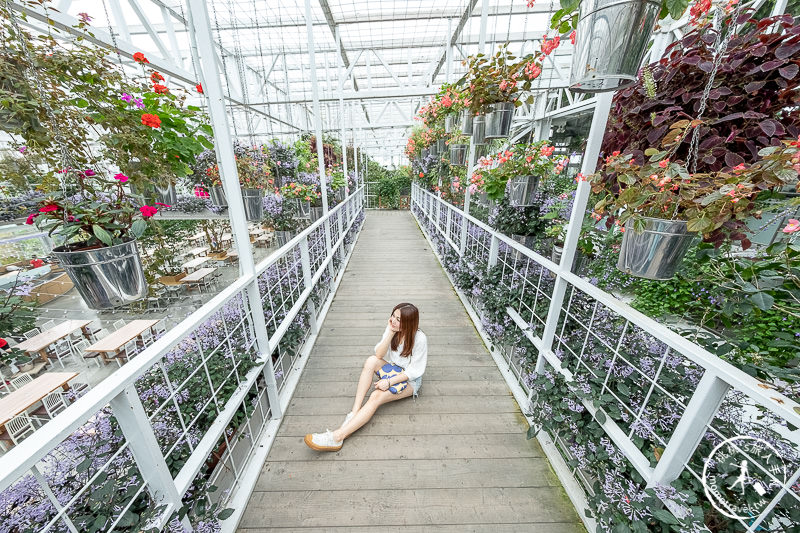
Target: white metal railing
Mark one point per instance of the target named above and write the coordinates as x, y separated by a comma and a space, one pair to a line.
192, 408
578, 331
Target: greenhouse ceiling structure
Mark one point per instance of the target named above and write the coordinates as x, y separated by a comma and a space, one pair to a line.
376, 62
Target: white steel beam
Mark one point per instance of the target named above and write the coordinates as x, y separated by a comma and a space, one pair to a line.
150, 31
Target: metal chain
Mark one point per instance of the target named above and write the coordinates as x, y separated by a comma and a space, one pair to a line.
237, 55
114, 40
224, 65
694, 144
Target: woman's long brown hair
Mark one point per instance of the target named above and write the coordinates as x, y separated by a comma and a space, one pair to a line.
409, 322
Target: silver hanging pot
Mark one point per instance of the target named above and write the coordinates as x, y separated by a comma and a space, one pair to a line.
283, 236
167, 195
479, 130
316, 213
217, 195
106, 277
448, 124
253, 204
522, 190
340, 194
466, 122
303, 208
441, 145
458, 154
611, 40
657, 252
434, 149
498, 120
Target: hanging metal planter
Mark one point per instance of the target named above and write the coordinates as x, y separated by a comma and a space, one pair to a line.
283, 236
441, 145
303, 208
458, 154
657, 252
479, 130
167, 195
434, 149
449, 120
611, 40
253, 204
466, 122
522, 190
340, 195
316, 213
106, 277
425, 152
217, 195
498, 120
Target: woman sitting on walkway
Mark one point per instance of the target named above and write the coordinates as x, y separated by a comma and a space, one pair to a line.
400, 356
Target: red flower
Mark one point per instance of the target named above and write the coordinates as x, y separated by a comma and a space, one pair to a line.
572, 37
36, 263
29, 221
160, 89
139, 58
151, 120
421, 174
48, 208
163, 205
156, 77
148, 211
199, 88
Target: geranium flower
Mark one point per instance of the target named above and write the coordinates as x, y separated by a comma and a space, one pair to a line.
88, 173
48, 208
160, 89
156, 77
199, 88
792, 226
148, 211
139, 58
121, 177
151, 120
36, 263
664, 163
30, 218
421, 174
572, 37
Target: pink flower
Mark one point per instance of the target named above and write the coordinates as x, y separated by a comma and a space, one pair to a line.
88, 173
664, 163
739, 167
22, 149
32, 216
473, 188
48, 208
163, 205
792, 226
121, 177
84, 17
148, 211
572, 37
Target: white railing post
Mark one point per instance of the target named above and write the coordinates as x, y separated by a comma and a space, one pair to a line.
494, 251
305, 262
132, 418
700, 411
471, 164
599, 120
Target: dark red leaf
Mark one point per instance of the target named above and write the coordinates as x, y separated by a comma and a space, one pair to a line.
754, 86
709, 37
654, 135
691, 60
754, 114
772, 65
732, 116
743, 17
759, 50
768, 127
787, 50
711, 142
732, 159
719, 106
746, 244
709, 159
789, 71
706, 66
733, 100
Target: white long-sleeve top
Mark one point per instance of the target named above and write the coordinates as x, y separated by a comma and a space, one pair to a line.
414, 364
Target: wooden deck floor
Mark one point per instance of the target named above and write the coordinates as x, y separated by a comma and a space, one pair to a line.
455, 460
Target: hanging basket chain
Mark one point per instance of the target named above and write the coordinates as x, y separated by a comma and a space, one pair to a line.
694, 144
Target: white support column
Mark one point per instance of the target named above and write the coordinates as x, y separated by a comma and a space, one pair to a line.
173, 41
305, 263
132, 418
700, 411
449, 53
484, 21
340, 63
116, 9
317, 114
200, 33
598, 128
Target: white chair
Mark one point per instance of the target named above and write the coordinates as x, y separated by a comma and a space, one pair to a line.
79, 352
161, 327
94, 326
21, 380
131, 349
60, 350
78, 386
47, 325
101, 334
20, 427
147, 338
118, 324
32, 333
52, 404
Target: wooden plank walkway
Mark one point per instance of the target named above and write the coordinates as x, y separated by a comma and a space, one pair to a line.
455, 460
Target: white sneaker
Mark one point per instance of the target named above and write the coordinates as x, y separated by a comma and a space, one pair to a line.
348, 417
323, 442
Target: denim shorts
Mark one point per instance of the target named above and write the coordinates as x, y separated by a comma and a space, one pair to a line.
416, 384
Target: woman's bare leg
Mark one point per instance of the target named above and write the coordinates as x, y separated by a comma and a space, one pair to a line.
371, 365
363, 415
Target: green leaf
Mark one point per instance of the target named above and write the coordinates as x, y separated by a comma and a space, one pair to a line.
676, 7
532, 432
762, 300
102, 235
225, 514
665, 516
138, 228
600, 416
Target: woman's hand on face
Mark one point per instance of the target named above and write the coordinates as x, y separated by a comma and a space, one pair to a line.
392, 327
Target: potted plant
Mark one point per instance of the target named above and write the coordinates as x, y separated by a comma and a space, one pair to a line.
282, 216
206, 175
660, 204
494, 84
283, 161
338, 184
611, 38
252, 167
459, 146
523, 224
517, 172
302, 195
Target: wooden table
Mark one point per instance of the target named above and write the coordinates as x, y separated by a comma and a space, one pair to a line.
194, 263
198, 275
197, 236
21, 399
257, 231
114, 341
200, 250
266, 238
44, 340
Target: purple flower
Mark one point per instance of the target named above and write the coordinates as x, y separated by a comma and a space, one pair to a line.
126, 97
139, 103
22, 149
